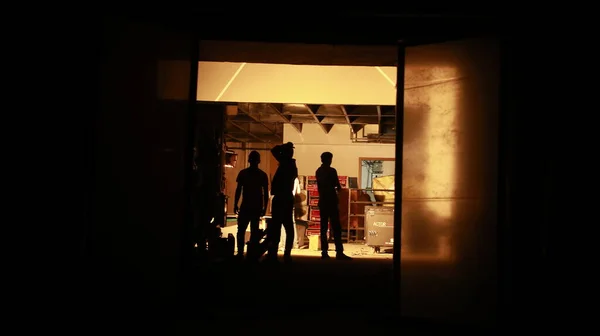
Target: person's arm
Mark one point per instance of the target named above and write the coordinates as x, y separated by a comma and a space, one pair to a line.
296, 186
265, 187
238, 193
295, 170
338, 186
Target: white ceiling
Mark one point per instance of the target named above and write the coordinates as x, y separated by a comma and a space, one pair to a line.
306, 84
312, 84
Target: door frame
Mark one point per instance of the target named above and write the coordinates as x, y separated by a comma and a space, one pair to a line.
399, 149
400, 68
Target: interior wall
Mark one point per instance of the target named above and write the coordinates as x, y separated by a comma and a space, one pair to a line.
313, 141
449, 166
268, 164
449, 182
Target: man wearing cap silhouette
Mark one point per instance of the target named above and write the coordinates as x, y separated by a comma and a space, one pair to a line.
253, 185
328, 185
282, 208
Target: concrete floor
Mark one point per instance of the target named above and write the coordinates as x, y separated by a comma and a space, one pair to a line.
355, 250
297, 299
308, 297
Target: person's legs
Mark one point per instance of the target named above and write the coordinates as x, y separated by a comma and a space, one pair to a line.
296, 237
274, 228
336, 229
324, 212
243, 221
255, 237
254, 227
288, 223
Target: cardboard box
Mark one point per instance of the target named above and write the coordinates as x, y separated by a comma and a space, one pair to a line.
311, 183
311, 232
314, 225
343, 181
314, 243
315, 215
384, 183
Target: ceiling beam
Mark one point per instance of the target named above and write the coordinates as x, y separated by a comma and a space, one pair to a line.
249, 114
297, 126
357, 127
352, 129
246, 131
326, 127
234, 138
345, 114
379, 118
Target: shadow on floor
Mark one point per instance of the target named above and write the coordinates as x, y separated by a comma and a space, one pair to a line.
308, 297
238, 287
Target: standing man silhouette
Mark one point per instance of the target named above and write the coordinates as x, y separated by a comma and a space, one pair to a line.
328, 185
282, 209
253, 185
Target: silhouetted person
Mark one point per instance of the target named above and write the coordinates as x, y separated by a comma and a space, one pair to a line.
253, 185
282, 209
296, 191
328, 185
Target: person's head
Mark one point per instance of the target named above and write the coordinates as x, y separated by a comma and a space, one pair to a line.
327, 158
254, 158
288, 150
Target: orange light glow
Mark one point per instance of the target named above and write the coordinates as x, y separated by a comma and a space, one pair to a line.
305, 84
430, 143
430, 160
441, 146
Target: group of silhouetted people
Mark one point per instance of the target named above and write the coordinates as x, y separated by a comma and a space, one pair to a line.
253, 186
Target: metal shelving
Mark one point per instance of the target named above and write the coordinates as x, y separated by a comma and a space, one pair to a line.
357, 234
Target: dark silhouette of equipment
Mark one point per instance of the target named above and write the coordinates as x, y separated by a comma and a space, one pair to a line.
258, 248
379, 224
219, 247
208, 202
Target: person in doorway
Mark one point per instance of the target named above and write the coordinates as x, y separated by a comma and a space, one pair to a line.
296, 191
328, 185
282, 209
253, 185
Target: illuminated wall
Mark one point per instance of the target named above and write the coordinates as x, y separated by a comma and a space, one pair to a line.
313, 141
449, 184
450, 159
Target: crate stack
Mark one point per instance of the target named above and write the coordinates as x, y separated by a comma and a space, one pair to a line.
314, 215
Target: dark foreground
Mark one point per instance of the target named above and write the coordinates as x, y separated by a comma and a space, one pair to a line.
308, 297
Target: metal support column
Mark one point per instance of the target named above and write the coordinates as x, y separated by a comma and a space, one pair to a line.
398, 173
